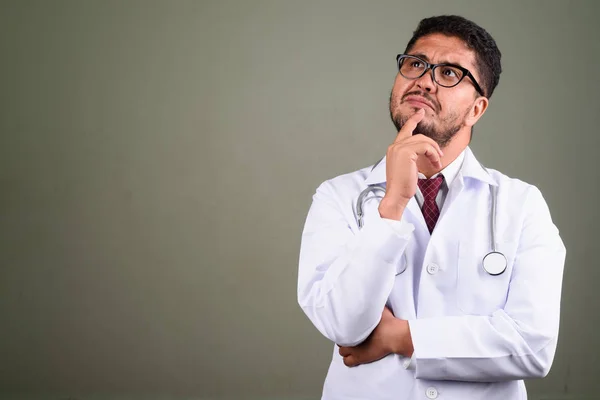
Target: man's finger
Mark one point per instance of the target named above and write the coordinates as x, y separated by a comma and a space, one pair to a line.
428, 150
351, 361
434, 157
425, 139
410, 125
345, 351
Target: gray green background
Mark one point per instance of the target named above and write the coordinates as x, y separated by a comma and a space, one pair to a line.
158, 158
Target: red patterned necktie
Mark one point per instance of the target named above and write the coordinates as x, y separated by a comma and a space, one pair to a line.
429, 189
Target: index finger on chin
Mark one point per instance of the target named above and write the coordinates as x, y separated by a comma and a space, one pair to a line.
409, 126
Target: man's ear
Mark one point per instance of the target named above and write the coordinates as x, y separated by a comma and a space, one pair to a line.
477, 110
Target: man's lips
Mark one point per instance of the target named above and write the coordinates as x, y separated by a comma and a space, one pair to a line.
419, 101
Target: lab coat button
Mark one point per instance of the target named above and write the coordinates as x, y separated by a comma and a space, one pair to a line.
432, 269
431, 393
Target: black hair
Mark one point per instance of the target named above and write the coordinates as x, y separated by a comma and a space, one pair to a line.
487, 54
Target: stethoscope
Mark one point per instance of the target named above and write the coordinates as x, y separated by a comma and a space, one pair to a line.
494, 263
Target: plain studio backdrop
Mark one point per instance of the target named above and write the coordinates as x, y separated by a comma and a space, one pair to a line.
158, 159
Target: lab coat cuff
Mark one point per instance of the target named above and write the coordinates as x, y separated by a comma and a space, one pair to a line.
402, 228
426, 338
409, 363
380, 238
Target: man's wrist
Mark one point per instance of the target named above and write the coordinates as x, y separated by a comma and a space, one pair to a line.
391, 209
403, 341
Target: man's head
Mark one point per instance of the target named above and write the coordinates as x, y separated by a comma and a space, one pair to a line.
475, 65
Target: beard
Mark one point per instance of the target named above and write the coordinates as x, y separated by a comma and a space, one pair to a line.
442, 134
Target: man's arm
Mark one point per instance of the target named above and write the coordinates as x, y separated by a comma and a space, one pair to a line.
517, 342
344, 279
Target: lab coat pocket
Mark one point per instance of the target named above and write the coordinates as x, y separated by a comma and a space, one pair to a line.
477, 291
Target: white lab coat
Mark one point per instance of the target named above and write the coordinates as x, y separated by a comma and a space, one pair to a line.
475, 336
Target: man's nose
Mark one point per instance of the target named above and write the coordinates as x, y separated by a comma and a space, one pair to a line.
426, 82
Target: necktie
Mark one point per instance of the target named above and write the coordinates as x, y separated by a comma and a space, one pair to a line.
430, 189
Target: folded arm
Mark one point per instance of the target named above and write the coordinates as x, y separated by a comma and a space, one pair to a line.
516, 342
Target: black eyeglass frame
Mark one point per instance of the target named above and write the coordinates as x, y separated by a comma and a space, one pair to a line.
429, 66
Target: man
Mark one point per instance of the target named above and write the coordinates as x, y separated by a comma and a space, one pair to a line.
451, 289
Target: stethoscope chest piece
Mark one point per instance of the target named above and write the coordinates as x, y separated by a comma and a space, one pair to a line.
494, 263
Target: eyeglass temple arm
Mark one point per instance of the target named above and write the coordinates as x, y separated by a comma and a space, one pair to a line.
477, 87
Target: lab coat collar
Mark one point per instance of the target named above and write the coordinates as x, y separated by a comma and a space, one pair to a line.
471, 168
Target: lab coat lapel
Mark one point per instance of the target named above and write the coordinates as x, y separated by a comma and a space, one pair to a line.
453, 192
416, 214
474, 172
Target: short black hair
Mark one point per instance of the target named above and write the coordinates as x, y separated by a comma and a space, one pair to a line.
487, 54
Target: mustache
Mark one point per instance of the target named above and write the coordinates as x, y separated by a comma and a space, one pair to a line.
425, 95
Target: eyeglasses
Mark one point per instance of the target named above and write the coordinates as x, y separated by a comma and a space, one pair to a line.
445, 75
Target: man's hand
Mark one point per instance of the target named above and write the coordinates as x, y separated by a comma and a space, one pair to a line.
392, 335
401, 166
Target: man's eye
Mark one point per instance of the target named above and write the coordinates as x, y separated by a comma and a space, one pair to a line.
416, 64
449, 72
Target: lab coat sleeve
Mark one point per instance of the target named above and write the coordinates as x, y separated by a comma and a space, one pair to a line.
516, 342
345, 277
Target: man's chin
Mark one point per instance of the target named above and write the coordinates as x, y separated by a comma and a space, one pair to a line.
409, 110
400, 119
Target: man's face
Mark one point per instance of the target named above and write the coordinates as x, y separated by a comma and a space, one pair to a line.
446, 109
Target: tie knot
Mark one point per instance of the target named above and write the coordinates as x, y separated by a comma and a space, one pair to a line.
431, 187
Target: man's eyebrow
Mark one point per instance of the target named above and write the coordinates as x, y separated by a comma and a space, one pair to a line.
424, 57
421, 55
